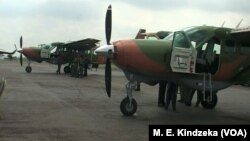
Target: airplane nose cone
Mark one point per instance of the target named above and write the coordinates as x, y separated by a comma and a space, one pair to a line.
20, 51
105, 50
27, 51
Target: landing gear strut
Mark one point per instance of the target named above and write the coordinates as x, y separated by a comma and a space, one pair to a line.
128, 105
28, 68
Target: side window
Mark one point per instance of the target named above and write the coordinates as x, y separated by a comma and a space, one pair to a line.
230, 46
245, 48
217, 48
180, 40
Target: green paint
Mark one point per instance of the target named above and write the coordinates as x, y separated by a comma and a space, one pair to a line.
160, 50
36, 50
157, 50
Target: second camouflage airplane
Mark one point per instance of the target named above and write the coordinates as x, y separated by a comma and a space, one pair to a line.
60, 53
204, 58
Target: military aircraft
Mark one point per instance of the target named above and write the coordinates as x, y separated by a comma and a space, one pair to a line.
59, 53
205, 58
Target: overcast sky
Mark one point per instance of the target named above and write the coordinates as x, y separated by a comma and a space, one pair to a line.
46, 21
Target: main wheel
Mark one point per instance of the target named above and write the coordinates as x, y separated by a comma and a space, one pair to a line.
209, 104
127, 108
66, 69
28, 69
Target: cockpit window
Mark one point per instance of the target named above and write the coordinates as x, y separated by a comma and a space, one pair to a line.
53, 50
169, 37
180, 40
195, 35
44, 46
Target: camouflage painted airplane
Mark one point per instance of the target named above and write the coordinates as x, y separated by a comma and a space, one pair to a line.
204, 58
59, 53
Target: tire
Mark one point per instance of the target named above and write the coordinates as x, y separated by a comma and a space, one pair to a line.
126, 108
66, 69
28, 69
212, 104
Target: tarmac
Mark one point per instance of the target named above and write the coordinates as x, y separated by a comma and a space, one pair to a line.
45, 106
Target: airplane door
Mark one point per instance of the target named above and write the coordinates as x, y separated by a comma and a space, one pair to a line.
45, 53
183, 56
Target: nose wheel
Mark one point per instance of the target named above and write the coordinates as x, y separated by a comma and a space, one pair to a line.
28, 69
209, 102
66, 69
128, 105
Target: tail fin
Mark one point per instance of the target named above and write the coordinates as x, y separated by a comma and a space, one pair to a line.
139, 34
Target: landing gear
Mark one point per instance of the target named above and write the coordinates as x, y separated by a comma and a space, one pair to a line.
28, 69
137, 87
209, 102
128, 105
66, 69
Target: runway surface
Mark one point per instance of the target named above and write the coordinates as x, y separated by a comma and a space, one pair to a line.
44, 106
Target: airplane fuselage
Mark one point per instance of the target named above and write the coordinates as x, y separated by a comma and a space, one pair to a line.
149, 61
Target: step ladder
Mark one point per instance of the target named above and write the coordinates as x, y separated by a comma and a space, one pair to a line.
207, 84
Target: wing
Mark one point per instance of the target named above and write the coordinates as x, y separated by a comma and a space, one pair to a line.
3, 52
241, 34
84, 44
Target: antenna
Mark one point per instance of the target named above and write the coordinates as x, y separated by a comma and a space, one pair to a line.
223, 24
239, 23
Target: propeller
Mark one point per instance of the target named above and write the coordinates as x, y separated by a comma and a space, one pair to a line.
21, 54
108, 28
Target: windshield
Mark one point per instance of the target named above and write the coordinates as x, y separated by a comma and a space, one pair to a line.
195, 35
169, 37
44, 46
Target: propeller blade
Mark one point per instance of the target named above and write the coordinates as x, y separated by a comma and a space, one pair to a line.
21, 59
108, 77
21, 42
21, 46
108, 24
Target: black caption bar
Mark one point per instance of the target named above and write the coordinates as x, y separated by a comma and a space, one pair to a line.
213, 132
